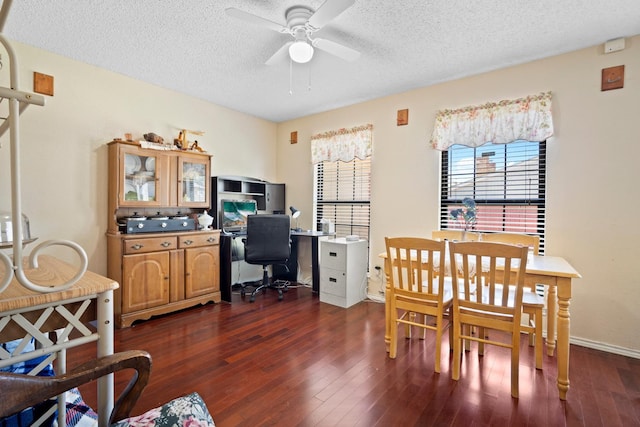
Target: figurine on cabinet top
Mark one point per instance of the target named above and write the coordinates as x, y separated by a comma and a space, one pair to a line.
152, 137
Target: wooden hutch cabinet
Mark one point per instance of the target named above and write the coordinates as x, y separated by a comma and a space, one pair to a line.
174, 265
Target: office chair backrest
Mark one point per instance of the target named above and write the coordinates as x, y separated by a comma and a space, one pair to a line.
268, 239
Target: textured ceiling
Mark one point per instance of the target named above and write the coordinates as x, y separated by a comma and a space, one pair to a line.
194, 47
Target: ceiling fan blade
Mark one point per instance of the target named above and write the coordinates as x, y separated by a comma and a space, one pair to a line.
279, 55
256, 20
329, 10
336, 49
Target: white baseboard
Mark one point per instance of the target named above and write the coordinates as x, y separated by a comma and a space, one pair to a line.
609, 348
376, 298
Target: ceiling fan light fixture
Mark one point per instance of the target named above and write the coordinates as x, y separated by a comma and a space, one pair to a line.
301, 52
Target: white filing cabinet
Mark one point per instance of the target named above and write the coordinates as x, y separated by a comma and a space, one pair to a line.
343, 271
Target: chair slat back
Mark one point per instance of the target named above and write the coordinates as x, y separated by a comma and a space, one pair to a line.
500, 287
455, 235
414, 264
528, 240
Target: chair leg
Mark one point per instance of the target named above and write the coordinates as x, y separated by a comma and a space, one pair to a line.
515, 362
266, 285
393, 340
263, 286
439, 322
457, 351
539, 345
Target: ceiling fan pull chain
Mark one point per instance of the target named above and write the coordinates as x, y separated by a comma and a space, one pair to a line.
309, 78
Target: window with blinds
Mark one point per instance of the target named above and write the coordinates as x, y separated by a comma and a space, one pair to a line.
343, 196
507, 182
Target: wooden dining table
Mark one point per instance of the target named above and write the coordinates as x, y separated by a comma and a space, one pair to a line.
558, 275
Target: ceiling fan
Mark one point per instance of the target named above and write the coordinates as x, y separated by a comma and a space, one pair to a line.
302, 22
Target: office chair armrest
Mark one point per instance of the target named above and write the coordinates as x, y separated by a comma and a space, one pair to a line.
21, 391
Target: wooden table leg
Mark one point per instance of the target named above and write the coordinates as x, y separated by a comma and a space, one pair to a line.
564, 300
552, 297
387, 307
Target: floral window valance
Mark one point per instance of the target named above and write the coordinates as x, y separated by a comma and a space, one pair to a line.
342, 144
506, 121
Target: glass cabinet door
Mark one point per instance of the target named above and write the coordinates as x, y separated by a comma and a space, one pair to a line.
194, 180
140, 179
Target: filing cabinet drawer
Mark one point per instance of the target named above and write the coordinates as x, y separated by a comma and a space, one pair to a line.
333, 255
333, 282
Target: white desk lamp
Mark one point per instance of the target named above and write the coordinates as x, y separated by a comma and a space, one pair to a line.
295, 213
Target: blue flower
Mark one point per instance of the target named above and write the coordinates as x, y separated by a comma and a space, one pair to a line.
467, 213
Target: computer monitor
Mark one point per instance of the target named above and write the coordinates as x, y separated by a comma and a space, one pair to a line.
235, 213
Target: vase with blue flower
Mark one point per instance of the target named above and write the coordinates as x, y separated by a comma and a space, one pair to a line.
465, 216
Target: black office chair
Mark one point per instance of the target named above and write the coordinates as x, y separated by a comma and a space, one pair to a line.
268, 242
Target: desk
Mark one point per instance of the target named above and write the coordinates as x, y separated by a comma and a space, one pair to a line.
226, 240
558, 274
24, 313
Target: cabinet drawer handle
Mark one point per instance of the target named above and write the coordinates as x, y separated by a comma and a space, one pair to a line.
188, 242
165, 244
137, 246
211, 239
333, 279
333, 254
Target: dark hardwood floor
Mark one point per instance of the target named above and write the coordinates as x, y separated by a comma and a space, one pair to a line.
300, 362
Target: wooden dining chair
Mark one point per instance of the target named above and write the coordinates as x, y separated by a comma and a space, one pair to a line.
528, 240
455, 235
496, 303
415, 288
532, 303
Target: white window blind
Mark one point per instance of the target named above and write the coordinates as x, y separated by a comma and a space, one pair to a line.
343, 195
507, 182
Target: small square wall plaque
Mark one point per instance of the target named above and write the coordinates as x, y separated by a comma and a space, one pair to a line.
294, 137
612, 78
403, 117
42, 83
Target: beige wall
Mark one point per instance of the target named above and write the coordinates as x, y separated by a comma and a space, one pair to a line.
591, 163
63, 144
592, 175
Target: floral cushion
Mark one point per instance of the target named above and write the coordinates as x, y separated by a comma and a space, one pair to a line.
187, 411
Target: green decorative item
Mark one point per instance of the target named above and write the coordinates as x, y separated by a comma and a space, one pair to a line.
466, 214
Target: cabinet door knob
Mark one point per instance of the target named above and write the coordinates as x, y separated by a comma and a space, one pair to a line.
188, 242
165, 244
211, 239
137, 246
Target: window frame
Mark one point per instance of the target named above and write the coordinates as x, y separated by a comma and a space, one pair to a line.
538, 199
320, 202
